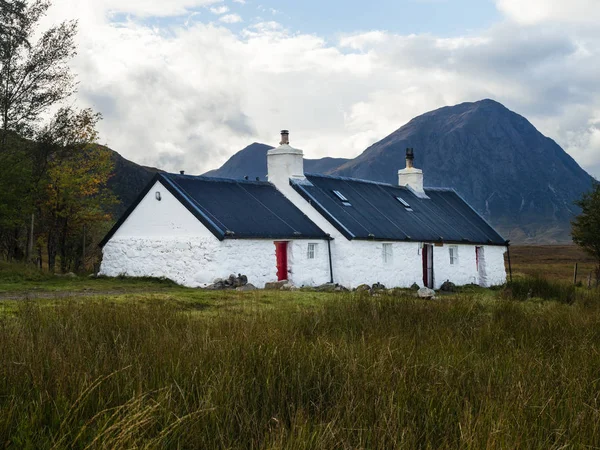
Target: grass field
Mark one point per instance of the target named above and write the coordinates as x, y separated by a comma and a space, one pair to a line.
551, 261
159, 366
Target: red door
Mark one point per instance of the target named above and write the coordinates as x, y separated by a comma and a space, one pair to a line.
282, 259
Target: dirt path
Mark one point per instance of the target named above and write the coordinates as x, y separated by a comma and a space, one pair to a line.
35, 295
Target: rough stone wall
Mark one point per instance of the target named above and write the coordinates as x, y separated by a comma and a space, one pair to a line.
494, 265
198, 261
308, 272
361, 262
464, 271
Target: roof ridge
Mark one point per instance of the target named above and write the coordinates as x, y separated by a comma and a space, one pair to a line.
216, 179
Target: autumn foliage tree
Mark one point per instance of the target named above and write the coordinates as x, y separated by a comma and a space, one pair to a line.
74, 190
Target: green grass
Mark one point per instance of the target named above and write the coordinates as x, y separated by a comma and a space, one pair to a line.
19, 278
191, 369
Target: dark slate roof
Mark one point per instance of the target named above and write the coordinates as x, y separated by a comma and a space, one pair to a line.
375, 213
234, 209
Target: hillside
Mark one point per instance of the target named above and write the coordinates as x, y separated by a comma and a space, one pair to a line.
521, 181
128, 180
252, 162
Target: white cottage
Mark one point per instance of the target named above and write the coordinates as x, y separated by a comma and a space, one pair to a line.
308, 229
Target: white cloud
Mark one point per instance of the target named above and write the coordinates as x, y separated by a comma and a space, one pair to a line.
536, 11
189, 96
219, 9
231, 18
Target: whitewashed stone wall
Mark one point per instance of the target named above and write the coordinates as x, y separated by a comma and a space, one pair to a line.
304, 271
361, 262
494, 266
464, 271
198, 261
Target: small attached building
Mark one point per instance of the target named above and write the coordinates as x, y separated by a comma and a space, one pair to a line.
308, 229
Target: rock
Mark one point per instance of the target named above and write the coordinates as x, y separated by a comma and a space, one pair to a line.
230, 281
426, 293
275, 285
218, 280
363, 288
246, 287
340, 288
327, 287
93, 275
448, 286
70, 275
242, 280
288, 286
378, 287
415, 287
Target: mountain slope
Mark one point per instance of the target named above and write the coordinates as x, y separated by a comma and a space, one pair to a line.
252, 162
128, 180
518, 179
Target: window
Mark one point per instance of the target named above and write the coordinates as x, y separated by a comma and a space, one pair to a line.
453, 249
387, 253
342, 197
404, 203
311, 252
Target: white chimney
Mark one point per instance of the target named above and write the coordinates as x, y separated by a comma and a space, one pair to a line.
284, 162
410, 176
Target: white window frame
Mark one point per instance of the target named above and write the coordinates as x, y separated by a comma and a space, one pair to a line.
453, 254
311, 250
387, 253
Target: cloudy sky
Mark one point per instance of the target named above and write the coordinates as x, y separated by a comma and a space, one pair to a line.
184, 84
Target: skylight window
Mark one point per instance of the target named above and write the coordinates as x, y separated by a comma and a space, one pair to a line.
404, 203
341, 196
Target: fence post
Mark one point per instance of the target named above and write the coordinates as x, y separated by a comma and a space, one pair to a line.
590, 280
575, 274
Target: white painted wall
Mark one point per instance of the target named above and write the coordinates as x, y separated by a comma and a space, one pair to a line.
304, 271
494, 266
464, 271
162, 219
198, 261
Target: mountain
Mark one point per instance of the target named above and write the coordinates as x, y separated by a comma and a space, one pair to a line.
252, 162
518, 179
521, 181
128, 180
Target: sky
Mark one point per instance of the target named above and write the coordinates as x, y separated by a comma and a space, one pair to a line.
185, 84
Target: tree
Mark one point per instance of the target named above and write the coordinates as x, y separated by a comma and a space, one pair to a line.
585, 228
33, 76
75, 189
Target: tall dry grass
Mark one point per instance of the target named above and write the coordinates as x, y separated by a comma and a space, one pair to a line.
360, 372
